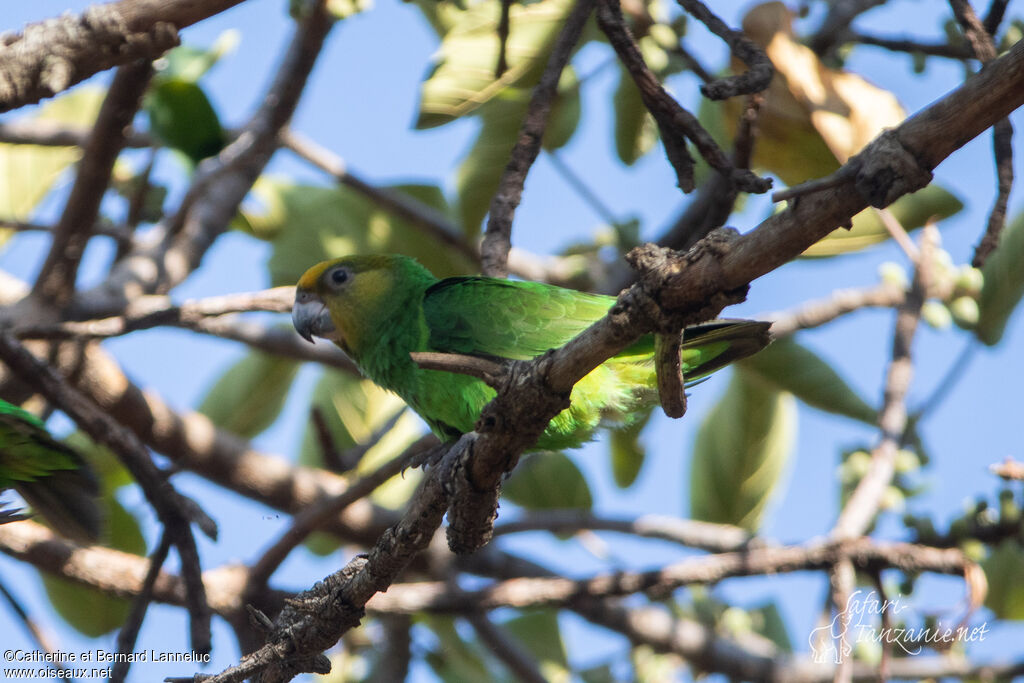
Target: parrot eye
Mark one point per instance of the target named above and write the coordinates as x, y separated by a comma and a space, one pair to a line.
339, 276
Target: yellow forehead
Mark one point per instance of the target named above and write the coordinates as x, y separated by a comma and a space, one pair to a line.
310, 277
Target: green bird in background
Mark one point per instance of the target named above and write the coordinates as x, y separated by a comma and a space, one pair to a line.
49, 475
380, 308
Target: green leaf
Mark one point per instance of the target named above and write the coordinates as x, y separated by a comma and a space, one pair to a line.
546, 481
464, 77
308, 224
912, 211
480, 171
1003, 569
107, 467
89, 611
538, 631
565, 111
30, 171
627, 453
457, 660
649, 665
249, 396
190, 63
597, 674
343, 9
741, 452
635, 129
355, 410
1003, 283
788, 366
767, 620
182, 117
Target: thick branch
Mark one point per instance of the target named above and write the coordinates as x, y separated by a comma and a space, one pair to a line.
559, 591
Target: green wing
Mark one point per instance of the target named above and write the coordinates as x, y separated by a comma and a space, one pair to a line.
505, 318
49, 475
522, 320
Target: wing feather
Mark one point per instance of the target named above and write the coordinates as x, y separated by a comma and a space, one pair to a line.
506, 318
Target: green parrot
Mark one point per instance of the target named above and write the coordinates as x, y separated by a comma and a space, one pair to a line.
49, 475
380, 308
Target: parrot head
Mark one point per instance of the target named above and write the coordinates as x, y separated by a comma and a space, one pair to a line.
345, 300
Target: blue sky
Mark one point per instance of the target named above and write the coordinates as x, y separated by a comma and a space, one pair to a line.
361, 104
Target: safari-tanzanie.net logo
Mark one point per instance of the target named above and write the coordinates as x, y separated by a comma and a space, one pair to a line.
863, 623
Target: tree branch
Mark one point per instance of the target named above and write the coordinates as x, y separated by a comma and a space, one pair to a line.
498, 235
859, 511
56, 280
675, 124
220, 184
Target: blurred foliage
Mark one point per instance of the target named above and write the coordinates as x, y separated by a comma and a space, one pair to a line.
30, 171
741, 452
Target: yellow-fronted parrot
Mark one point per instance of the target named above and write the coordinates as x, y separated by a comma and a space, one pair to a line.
380, 308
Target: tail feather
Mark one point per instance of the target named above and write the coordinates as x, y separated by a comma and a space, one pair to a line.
67, 500
737, 339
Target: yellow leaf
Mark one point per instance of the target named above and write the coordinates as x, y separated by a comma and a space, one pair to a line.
814, 118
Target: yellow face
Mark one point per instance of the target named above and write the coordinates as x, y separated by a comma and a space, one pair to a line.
342, 300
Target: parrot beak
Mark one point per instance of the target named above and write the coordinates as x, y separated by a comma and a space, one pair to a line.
311, 317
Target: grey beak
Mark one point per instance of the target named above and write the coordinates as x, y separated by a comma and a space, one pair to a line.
310, 316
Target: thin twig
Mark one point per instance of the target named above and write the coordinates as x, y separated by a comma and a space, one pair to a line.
34, 632
398, 204
53, 134
503, 26
843, 580
669, 369
521, 664
840, 15
984, 48
498, 234
580, 187
313, 517
396, 655
996, 10
674, 122
759, 71
841, 177
715, 199
841, 302
1002, 144
956, 372
489, 371
692, 63
687, 532
913, 47
885, 627
129, 632
898, 233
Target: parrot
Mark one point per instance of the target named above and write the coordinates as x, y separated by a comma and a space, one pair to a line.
48, 474
379, 308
